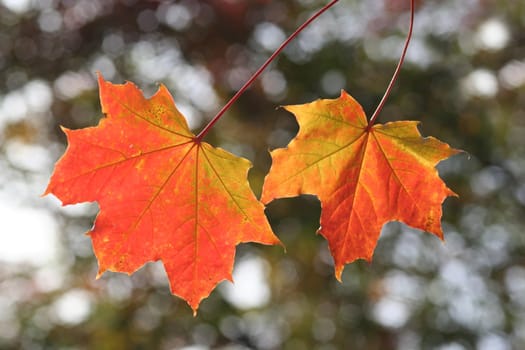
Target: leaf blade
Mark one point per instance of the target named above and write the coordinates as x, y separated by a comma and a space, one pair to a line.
363, 179
162, 195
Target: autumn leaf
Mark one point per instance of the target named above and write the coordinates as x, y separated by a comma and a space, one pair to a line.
163, 194
362, 178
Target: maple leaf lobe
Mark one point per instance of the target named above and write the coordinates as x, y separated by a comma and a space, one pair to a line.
162, 195
363, 178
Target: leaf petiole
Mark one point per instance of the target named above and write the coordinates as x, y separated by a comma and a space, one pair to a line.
396, 72
255, 75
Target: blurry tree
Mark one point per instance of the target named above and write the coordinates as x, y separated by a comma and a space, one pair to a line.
464, 79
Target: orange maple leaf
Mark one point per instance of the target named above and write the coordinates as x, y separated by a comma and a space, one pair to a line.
362, 178
163, 195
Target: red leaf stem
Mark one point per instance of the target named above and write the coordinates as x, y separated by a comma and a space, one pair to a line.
255, 75
396, 72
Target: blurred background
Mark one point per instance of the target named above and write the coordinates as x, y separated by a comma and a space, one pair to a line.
464, 79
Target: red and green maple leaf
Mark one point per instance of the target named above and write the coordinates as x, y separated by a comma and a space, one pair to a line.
363, 177
163, 194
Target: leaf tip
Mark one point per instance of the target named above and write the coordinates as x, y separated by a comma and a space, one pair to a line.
46, 191
339, 272
194, 305
451, 193
100, 273
280, 243
100, 78
439, 234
